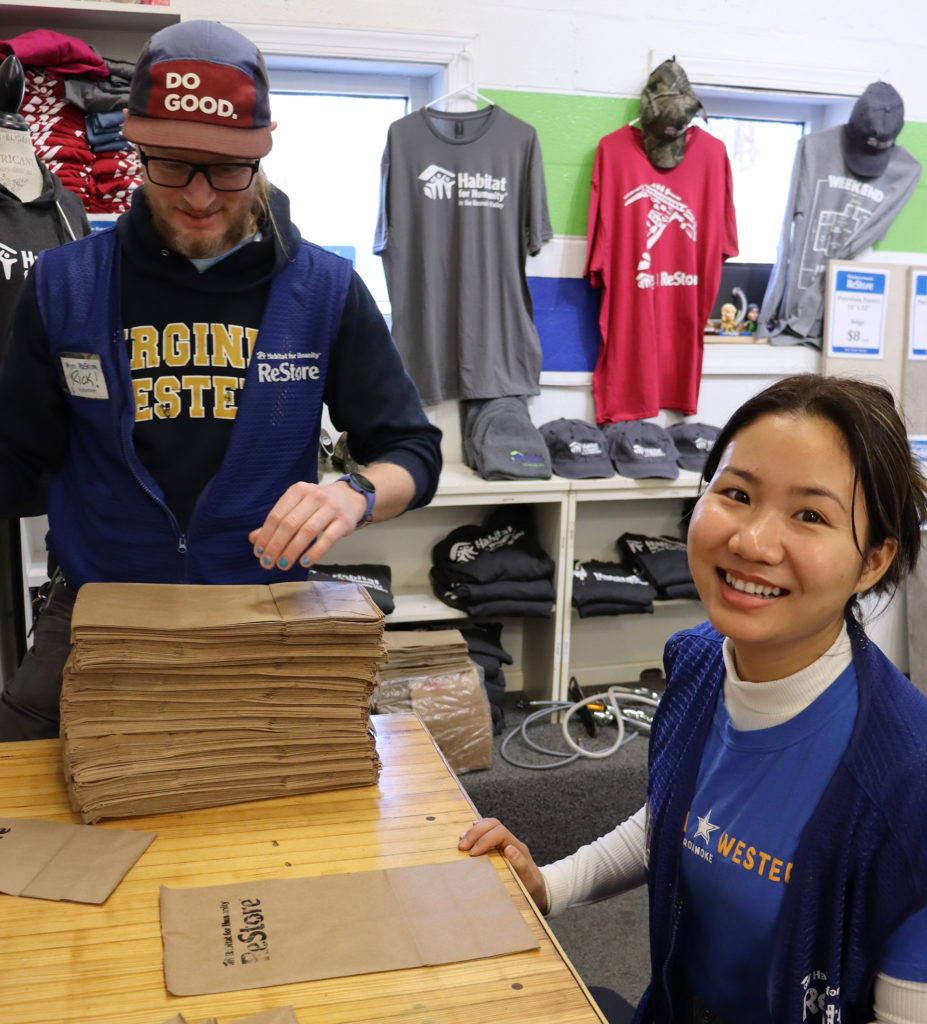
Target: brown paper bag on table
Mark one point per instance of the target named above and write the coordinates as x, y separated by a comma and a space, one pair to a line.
273, 932
54, 860
278, 1015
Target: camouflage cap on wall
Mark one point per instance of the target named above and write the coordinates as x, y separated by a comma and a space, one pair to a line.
668, 104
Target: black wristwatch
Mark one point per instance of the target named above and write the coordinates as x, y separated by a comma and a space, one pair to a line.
363, 486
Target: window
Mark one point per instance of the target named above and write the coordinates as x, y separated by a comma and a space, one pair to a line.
761, 155
761, 131
331, 130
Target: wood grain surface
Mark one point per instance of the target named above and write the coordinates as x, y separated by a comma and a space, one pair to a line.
68, 963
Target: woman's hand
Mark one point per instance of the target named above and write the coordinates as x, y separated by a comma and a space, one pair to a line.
488, 834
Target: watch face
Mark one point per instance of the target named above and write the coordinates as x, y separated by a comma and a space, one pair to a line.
363, 483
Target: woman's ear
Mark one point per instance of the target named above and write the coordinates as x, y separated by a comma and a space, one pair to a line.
877, 562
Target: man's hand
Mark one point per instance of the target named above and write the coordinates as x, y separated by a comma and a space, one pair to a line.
489, 833
306, 523
310, 518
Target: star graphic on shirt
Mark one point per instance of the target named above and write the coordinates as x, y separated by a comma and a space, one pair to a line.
705, 828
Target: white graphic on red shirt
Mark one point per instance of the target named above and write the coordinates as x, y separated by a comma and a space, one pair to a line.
666, 208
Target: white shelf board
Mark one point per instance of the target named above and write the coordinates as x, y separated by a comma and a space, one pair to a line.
421, 607
425, 607
674, 602
91, 14
460, 485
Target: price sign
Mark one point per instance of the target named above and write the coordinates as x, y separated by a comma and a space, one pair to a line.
857, 314
917, 321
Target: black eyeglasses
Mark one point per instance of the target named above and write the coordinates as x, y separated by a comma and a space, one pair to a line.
223, 177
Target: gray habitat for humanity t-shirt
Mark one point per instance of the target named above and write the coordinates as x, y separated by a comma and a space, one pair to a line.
830, 215
462, 205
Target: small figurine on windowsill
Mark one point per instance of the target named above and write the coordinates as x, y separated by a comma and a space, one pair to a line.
729, 324
750, 320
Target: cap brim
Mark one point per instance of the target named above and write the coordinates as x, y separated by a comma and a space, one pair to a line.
578, 470
664, 153
866, 163
252, 143
694, 463
641, 470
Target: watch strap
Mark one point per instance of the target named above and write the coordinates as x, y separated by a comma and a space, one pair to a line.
356, 482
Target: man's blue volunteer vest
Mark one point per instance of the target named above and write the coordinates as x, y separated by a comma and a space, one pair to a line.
107, 516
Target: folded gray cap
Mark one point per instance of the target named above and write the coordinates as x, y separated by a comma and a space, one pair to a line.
578, 450
693, 443
640, 448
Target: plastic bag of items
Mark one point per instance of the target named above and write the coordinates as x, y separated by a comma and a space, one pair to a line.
453, 707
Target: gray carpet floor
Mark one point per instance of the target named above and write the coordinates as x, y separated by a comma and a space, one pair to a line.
554, 811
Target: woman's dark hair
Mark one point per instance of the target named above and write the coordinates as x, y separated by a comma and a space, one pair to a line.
894, 489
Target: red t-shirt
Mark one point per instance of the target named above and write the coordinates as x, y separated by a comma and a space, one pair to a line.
656, 242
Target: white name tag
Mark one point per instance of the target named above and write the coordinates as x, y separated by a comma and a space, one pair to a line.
83, 375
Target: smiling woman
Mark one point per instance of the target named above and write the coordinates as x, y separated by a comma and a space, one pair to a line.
775, 543
784, 839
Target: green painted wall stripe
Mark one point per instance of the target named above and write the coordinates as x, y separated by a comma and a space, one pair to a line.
569, 129
908, 232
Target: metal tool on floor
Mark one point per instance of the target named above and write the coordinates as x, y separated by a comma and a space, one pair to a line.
623, 705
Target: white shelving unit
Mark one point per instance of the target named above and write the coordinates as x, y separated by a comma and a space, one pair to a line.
617, 648
463, 497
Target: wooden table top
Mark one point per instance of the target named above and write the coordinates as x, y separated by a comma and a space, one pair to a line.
70, 963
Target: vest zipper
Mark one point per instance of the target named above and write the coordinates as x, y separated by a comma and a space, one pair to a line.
128, 452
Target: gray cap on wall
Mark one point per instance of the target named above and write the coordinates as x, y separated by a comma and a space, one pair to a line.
875, 122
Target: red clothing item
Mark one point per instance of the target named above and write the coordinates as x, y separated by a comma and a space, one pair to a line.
59, 54
656, 242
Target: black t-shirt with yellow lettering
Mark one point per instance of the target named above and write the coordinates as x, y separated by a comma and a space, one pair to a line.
189, 337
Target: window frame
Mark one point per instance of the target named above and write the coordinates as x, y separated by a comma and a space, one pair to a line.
446, 60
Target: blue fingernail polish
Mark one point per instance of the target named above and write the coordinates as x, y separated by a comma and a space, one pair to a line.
266, 561
304, 561
260, 551
283, 563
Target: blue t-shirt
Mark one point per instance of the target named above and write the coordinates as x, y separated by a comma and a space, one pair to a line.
756, 792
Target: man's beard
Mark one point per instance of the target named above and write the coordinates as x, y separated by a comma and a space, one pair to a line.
197, 248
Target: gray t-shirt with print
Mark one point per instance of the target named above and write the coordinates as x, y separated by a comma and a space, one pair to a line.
830, 214
462, 204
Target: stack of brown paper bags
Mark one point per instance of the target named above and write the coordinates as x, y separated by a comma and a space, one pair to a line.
429, 672
176, 697
423, 652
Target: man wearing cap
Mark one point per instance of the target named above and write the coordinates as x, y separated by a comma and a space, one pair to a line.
163, 381
848, 184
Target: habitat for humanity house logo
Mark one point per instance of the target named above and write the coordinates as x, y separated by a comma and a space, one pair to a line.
479, 189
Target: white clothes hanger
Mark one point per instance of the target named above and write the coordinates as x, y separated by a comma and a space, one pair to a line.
467, 91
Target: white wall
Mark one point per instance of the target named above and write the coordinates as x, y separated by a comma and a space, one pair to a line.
605, 46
